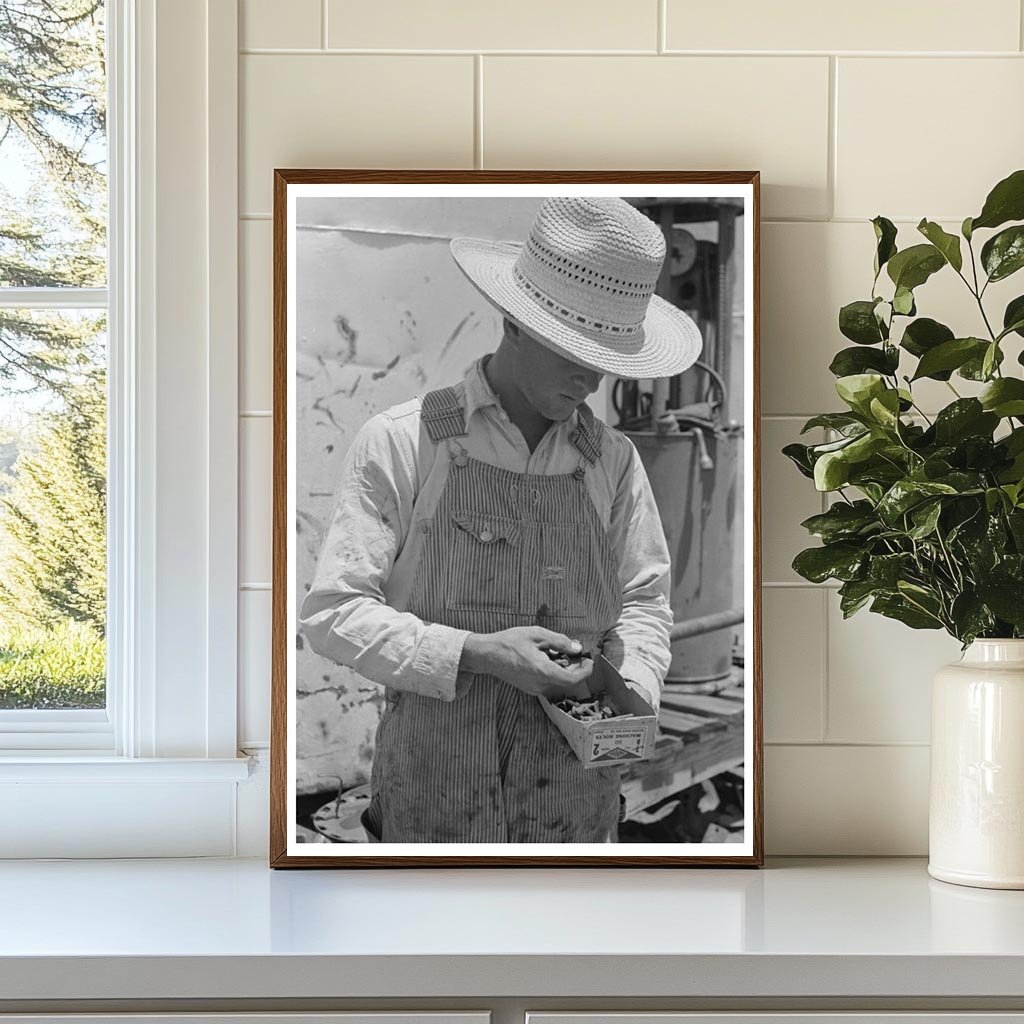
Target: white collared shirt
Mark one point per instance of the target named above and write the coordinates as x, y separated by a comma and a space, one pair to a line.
391, 480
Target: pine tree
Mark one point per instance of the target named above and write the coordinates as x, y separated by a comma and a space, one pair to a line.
53, 519
53, 117
53, 124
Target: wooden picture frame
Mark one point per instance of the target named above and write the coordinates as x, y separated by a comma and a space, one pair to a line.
361, 262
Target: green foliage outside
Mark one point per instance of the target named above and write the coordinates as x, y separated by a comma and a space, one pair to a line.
52, 364
60, 667
927, 526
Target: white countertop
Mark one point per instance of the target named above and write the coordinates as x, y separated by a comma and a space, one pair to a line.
234, 928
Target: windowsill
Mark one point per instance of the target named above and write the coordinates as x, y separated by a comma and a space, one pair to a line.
823, 928
79, 766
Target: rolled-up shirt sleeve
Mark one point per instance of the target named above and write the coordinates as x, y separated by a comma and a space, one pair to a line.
344, 615
638, 645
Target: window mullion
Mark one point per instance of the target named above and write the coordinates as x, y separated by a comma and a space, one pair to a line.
53, 298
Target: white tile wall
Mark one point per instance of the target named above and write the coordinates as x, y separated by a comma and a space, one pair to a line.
893, 109
471, 25
254, 664
694, 113
876, 25
961, 130
793, 629
331, 110
255, 309
787, 499
260, 25
879, 677
255, 512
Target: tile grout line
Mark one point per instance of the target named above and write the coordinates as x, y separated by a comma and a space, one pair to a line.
323, 24
1020, 25
258, 51
824, 724
831, 170
846, 744
662, 29
478, 111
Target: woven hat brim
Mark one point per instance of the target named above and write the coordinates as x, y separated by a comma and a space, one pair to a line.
669, 342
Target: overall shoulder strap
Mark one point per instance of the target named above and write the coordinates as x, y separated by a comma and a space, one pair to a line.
588, 434
443, 414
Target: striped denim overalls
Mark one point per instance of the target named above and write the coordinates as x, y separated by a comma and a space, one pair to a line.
503, 549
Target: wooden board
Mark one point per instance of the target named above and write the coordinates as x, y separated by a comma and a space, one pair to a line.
700, 736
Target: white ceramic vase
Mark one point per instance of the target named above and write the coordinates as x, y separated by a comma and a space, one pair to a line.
976, 810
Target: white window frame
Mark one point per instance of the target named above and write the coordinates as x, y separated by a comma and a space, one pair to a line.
172, 467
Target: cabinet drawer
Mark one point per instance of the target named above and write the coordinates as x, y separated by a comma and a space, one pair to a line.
785, 1017
356, 1017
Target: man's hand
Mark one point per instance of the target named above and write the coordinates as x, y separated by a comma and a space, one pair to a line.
520, 657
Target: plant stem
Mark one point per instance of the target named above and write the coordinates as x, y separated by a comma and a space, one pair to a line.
954, 568
924, 415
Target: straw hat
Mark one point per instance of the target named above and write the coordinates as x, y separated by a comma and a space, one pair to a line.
583, 284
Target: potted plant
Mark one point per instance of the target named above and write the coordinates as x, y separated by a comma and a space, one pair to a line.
927, 521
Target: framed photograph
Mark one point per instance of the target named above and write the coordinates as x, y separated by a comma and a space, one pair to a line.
516, 562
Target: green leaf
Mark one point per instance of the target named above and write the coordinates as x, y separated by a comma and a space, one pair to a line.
885, 409
833, 420
1015, 518
883, 314
924, 334
1003, 254
872, 491
903, 302
905, 494
899, 608
858, 389
991, 361
799, 455
857, 322
947, 244
854, 594
971, 617
1004, 397
925, 518
974, 368
1005, 596
817, 450
966, 417
1005, 202
994, 498
1013, 317
864, 446
913, 266
843, 521
885, 236
850, 361
965, 229
964, 481
831, 471
840, 561
877, 471
887, 570
949, 355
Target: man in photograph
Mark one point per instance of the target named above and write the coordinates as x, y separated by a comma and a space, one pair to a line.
486, 527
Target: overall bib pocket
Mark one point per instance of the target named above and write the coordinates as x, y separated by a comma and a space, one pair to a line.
484, 563
570, 583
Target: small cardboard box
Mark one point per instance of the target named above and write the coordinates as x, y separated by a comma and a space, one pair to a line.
602, 743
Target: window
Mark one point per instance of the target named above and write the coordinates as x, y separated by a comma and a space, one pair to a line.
53, 370
169, 291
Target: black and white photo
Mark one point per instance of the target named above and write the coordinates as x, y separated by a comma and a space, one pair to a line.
516, 570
